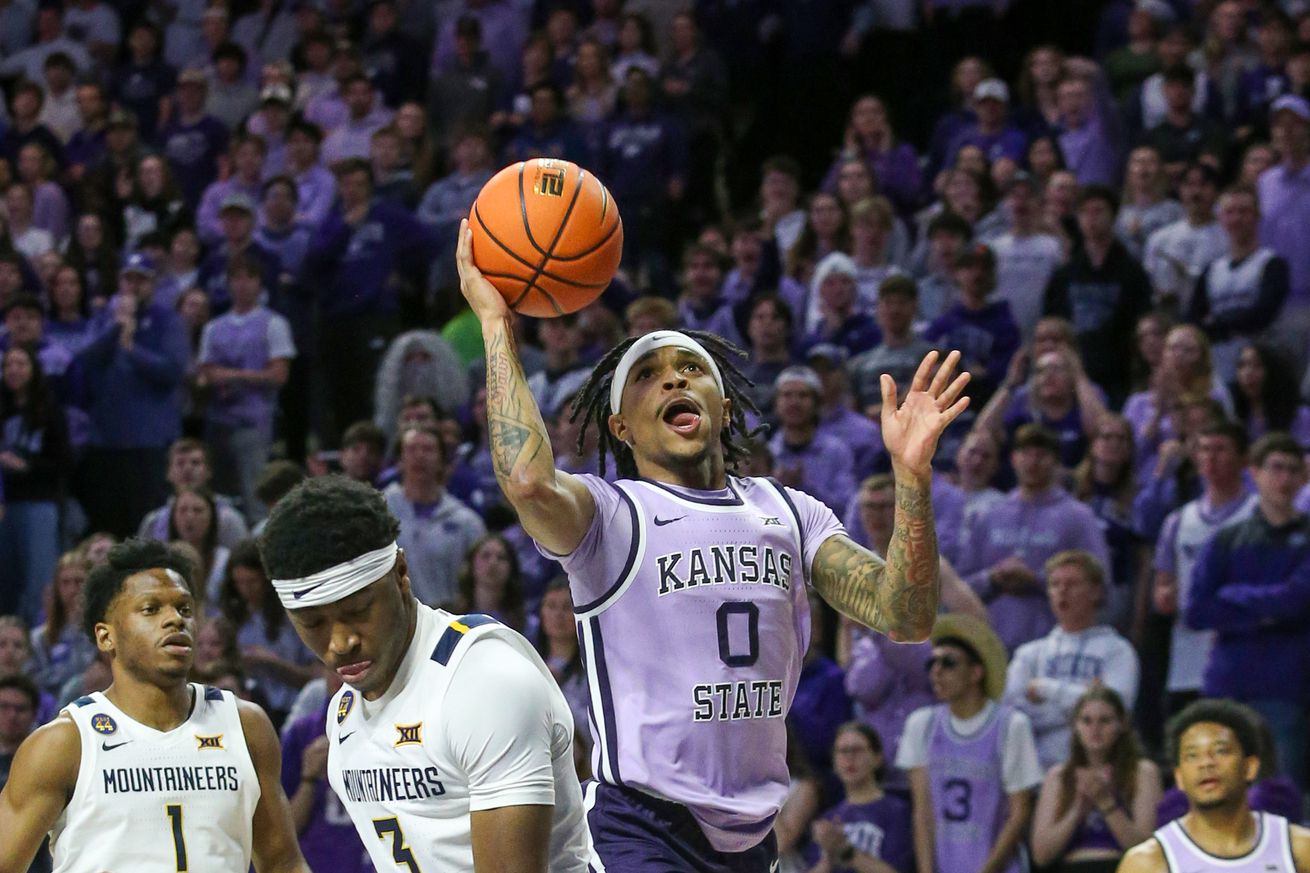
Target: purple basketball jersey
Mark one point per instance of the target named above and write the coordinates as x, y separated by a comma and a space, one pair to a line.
1272, 852
968, 795
693, 621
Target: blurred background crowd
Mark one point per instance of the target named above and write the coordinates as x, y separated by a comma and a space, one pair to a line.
227, 235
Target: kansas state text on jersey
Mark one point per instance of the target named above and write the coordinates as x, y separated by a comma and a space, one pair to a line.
693, 621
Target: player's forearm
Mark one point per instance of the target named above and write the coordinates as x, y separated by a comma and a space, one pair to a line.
1050, 838
924, 852
911, 588
520, 445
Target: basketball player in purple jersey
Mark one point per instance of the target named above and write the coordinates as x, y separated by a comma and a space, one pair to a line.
1213, 745
690, 584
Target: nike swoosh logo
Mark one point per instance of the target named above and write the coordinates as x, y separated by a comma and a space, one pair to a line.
108, 748
660, 522
341, 739
296, 595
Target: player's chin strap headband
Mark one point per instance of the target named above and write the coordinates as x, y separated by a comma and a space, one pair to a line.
334, 583
657, 339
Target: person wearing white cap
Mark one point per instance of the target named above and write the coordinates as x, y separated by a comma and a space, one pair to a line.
805, 457
691, 584
1285, 213
833, 312
450, 744
991, 132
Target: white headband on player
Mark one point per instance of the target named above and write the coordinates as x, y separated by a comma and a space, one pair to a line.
334, 583
657, 339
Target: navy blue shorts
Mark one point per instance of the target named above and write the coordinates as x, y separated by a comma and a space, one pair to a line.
632, 832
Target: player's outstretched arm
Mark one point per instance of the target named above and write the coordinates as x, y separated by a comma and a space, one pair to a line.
41, 780
274, 843
554, 507
899, 596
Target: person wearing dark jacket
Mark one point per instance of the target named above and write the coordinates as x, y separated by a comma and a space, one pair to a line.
1103, 291
983, 330
1251, 585
34, 455
135, 360
361, 259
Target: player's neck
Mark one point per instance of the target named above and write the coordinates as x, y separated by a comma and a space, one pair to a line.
411, 620
867, 793
968, 705
162, 707
798, 434
704, 474
1227, 832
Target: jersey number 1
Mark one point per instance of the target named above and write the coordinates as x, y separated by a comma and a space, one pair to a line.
174, 813
400, 852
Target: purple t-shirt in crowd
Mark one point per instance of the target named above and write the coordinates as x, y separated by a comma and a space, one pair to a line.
1032, 530
329, 841
882, 829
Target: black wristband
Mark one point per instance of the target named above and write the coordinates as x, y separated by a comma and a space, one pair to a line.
847, 854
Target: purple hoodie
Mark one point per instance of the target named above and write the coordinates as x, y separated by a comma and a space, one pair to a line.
1033, 530
888, 681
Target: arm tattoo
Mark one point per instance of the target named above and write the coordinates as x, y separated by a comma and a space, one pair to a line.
519, 443
898, 596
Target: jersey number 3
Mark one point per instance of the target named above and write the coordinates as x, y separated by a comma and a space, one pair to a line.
400, 852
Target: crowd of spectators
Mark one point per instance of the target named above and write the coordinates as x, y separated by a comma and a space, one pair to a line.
226, 263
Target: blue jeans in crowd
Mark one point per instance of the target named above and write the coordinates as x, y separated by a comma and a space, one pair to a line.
29, 553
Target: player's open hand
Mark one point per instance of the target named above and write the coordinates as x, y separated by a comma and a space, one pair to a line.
911, 427
486, 301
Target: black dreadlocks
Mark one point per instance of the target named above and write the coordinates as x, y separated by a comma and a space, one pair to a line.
592, 403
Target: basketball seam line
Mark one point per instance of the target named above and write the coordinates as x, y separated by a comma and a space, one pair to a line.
527, 227
477, 214
559, 232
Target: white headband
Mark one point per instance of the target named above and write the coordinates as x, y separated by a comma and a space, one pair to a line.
334, 583
657, 339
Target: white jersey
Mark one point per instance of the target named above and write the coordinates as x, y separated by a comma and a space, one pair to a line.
473, 720
1024, 265
1189, 648
154, 800
1177, 254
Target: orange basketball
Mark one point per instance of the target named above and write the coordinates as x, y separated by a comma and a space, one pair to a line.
548, 235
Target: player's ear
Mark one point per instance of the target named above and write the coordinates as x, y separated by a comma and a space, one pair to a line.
1251, 768
618, 428
727, 409
402, 573
104, 637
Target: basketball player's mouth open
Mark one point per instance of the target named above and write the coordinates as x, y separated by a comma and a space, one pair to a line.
682, 415
177, 644
354, 672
